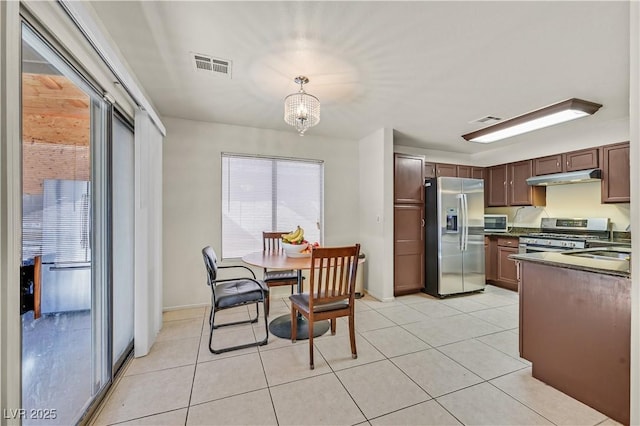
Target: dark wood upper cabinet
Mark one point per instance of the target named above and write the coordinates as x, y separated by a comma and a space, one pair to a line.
464, 171
567, 162
480, 173
477, 172
581, 160
616, 173
520, 193
506, 185
496, 185
408, 183
547, 165
429, 170
446, 170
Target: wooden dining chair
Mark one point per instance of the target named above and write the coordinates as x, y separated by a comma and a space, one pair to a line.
273, 278
332, 284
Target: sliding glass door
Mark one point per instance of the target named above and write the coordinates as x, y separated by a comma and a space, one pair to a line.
122, 152
65, 267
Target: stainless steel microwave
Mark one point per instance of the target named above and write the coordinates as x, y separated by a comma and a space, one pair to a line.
495, 223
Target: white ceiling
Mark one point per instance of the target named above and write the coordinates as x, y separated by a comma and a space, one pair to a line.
425, 69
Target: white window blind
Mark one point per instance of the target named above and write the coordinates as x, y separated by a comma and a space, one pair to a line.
268, 194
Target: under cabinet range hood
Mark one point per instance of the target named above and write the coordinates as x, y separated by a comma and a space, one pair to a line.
579, 176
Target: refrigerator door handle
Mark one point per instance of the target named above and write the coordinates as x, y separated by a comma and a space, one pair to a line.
465, 222
460, 221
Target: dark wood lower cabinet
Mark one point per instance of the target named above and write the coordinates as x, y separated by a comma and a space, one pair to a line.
575, 327
499, 269
408, 259
507, 274
490, 258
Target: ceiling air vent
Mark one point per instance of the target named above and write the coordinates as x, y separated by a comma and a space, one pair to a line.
485, 120
210, 64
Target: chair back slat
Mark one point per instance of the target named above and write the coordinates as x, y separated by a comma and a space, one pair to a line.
211, 264
333, 274
271, 241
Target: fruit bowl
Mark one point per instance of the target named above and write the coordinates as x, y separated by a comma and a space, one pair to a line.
294, 249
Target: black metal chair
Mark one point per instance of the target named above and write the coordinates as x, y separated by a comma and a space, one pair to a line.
231, 293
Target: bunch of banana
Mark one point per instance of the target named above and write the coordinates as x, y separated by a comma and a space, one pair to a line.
294, 237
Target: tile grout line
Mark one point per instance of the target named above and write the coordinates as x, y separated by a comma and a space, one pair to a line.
433, 398
518, 401
409, 377
385, 357
264, 372
195, 367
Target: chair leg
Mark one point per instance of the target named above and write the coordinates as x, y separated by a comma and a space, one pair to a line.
310, 324
266, 323
294, 324
352, 335
211, 313
333, 326
266, 305
213, 327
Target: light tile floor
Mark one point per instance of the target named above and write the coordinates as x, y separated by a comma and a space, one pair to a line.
421, 360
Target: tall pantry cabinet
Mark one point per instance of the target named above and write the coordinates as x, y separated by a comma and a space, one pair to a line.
408, 224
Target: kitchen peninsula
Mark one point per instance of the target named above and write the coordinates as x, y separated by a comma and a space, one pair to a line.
575, 321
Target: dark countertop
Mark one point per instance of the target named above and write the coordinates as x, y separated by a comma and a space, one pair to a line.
614, 243
519, 232
512, 234
620, 268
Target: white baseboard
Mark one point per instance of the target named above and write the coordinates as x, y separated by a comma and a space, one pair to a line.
177, 308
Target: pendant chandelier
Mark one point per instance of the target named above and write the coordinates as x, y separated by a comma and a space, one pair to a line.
301, 110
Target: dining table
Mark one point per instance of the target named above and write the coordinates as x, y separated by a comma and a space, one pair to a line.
281, 326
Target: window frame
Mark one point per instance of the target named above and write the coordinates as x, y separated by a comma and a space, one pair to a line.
320, 163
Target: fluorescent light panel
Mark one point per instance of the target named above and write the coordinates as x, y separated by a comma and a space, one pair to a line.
544, 117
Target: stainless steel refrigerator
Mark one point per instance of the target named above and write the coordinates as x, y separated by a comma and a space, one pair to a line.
454, 243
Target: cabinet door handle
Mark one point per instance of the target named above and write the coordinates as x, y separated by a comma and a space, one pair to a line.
567, 163
557, 164
511, 183
422, 224
505, 183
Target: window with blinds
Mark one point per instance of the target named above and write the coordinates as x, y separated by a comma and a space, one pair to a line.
268, 194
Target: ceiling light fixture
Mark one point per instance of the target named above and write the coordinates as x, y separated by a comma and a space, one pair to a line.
534, 120
301, 110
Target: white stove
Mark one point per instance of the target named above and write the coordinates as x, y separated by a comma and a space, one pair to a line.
559, 234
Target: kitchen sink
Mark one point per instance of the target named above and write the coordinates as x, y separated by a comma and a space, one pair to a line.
611, 253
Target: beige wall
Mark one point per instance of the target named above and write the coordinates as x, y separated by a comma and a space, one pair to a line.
192, 185
376, 207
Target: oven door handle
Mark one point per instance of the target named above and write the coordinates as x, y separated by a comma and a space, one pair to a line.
525, 248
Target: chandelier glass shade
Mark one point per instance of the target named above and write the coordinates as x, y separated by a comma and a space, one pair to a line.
301, 110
